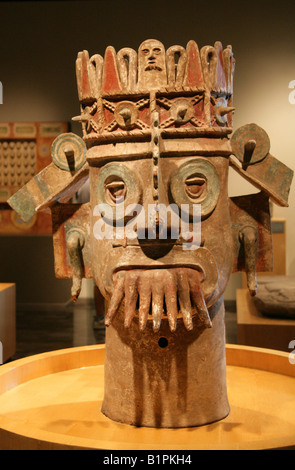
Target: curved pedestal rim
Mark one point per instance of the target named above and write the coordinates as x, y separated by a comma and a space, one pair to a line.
16, 373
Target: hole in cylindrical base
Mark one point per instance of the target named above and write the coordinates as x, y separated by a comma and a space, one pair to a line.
163, 342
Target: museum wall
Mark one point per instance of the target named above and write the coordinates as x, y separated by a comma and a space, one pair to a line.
38, 48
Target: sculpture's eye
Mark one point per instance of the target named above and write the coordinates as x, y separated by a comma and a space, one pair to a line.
115, 190
120, 188
145, 51
156, 50
195, 186
196, 182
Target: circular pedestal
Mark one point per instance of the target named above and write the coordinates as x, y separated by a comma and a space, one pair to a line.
53, 401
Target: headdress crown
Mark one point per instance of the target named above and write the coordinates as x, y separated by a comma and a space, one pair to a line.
190, 89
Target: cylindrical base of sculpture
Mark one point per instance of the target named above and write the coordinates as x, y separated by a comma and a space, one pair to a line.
166, 379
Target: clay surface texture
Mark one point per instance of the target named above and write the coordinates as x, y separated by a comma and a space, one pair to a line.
159, 235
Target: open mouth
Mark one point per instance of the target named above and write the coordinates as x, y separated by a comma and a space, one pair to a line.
157, 293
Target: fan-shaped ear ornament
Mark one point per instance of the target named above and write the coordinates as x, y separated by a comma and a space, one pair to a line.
251, 146
58, 181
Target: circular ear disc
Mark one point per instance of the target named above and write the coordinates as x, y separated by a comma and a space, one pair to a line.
68, 152
250, 144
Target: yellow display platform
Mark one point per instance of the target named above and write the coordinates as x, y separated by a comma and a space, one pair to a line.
53, 400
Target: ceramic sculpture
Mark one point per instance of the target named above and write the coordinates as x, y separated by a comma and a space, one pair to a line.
156, 148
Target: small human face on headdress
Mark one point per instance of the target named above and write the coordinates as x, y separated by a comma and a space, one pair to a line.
153, 55
152, 64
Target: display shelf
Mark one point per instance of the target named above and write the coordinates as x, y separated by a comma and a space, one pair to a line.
7, 321
256, 329
53, 400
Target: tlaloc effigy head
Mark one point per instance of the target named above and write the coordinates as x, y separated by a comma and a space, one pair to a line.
160, 236
164, 181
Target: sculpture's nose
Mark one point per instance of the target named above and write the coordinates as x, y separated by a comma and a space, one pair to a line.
160, 216
151, 55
